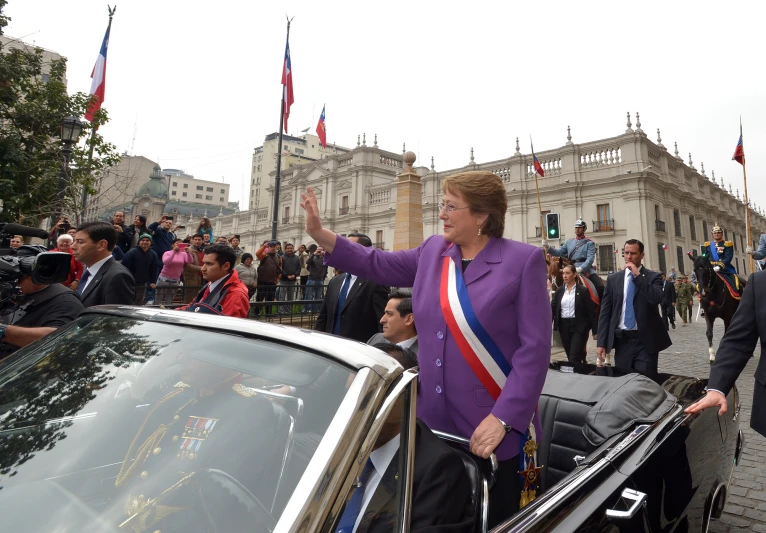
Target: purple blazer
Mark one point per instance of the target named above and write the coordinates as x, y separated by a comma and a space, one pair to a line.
506, 283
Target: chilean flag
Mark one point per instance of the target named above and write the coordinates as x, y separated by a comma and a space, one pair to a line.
98, 85
535, 162
665, 246
322, 129
287, 83
739, 152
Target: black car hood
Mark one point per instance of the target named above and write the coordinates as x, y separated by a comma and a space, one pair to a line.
618, 403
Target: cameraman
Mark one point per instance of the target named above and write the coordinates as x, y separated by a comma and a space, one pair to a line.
40, 310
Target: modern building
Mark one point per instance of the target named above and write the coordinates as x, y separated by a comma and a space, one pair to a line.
186, 188
118, 185
295, 151
625, 186
7, 42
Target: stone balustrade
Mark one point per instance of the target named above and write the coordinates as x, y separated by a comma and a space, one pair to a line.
380, 196
390, 161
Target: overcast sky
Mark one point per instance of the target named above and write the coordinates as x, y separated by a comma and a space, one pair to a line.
202, 79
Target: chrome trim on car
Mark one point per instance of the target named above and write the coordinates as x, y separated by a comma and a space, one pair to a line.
405, 496
739, 447
350, 353
627, 441
309, 505
638, 499
285, 458
457, 439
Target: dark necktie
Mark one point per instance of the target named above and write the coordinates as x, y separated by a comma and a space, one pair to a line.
341, 302
83, 281
354, 505
630, 313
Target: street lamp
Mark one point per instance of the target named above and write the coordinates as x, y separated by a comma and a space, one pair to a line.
71, 128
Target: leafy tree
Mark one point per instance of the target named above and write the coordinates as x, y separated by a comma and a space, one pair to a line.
33, 102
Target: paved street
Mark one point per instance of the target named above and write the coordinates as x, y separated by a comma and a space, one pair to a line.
746, 505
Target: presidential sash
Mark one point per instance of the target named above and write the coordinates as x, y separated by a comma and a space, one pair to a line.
486, 361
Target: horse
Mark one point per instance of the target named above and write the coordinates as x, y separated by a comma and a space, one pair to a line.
716, 298
555, 277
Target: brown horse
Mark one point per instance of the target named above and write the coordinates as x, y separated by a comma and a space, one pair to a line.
555, 267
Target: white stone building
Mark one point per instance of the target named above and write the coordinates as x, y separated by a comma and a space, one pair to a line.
186, 188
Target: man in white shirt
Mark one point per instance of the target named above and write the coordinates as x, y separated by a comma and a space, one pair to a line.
398, 322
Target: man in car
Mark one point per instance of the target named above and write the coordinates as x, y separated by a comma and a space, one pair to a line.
209, 420
398, 322
40, 311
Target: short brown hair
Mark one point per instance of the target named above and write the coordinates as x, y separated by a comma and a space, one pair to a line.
484, 192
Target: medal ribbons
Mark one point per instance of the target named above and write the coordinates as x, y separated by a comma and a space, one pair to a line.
486, 361
195, 432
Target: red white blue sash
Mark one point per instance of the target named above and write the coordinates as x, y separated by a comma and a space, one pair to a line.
479, 350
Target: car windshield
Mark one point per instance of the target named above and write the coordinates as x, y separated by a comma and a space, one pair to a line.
117, 424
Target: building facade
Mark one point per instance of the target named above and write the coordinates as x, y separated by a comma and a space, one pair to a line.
186, 188
7, 42
118, 185
624, 187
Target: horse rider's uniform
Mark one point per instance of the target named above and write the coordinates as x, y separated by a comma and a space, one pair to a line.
581, 252
720, 254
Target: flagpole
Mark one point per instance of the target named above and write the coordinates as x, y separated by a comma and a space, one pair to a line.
278, 178
747, 204
537, 189
92, 142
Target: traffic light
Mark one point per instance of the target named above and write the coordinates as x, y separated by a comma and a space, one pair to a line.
552, 223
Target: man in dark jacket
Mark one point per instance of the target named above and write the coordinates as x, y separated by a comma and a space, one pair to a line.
269, 271
125, 233
317, 274
288, 283
668, 305
163, 236
144, 264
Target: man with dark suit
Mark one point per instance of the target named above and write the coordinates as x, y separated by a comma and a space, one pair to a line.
629, 321
668, 304
398, 322
441, 491
105, 281
352, 306
736, 348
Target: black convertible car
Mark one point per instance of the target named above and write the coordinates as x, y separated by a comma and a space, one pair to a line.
134, 419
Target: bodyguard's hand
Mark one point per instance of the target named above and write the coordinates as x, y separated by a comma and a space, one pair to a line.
311, 207
487, 437
717, 268
601, 355
711, 399
633, 268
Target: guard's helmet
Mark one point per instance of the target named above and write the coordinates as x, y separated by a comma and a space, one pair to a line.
717, 229
580, 223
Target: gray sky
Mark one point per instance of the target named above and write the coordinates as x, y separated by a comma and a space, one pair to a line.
202, 79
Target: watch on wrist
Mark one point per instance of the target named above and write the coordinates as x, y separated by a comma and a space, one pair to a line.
505, 426
2, 331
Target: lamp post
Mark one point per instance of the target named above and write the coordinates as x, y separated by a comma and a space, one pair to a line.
71, 128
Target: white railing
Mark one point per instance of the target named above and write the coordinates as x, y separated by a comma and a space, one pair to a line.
379, 197
601, 158
551, 167
390, 161
504, 173
345, 162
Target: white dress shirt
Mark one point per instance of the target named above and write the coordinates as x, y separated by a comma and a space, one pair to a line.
350, 284
408, 342
381, 458
213, 284
628, 279
568, 302
93, 269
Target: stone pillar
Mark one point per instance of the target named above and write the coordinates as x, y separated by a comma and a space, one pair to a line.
408, 229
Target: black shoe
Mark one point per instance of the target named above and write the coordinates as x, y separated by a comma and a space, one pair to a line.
674, 325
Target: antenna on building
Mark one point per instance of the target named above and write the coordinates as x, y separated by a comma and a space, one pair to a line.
133, 140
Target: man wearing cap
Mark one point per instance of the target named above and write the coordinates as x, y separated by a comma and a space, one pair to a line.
721, 254
144, 264
684, 298
581, 251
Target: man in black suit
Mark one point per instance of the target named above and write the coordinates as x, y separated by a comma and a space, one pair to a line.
736, 348
352, 306
629, 320
104, 281
668, 305
441, 492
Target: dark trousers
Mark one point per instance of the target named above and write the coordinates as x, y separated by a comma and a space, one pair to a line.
302, 295
668, 314
630, 354
599, 284
140, 293
574, 340
505, 495
266, 293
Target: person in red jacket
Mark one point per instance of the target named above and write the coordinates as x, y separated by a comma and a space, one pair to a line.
224, 293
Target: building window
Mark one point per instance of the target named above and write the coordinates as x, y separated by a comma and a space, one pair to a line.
604, 221
286, 216
198, 196
209, 189
173, 193
199, 187
379, 238
736, 263
734, 241
606, 258
692, 228
175, 184
661, 256
343, 205
726, 235
680, 259
223, 191
299, 150
677, 221
208, 197
742, 246
186, 185
184, 194
704, 229
221, 200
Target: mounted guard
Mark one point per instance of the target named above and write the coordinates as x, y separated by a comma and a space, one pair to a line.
720, 253
581, 251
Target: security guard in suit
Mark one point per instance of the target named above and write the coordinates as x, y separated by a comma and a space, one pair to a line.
720, 253
209, 420
581, 251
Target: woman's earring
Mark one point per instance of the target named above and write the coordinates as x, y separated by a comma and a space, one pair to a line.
479, 231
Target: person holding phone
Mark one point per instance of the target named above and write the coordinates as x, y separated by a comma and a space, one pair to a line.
163, 235
173, 263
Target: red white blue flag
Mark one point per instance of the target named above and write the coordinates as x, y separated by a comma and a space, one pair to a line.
322, 129
287, 84
665, 246
739, 152
535, 162
98, 85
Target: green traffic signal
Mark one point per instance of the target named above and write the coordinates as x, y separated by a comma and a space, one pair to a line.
552, 232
